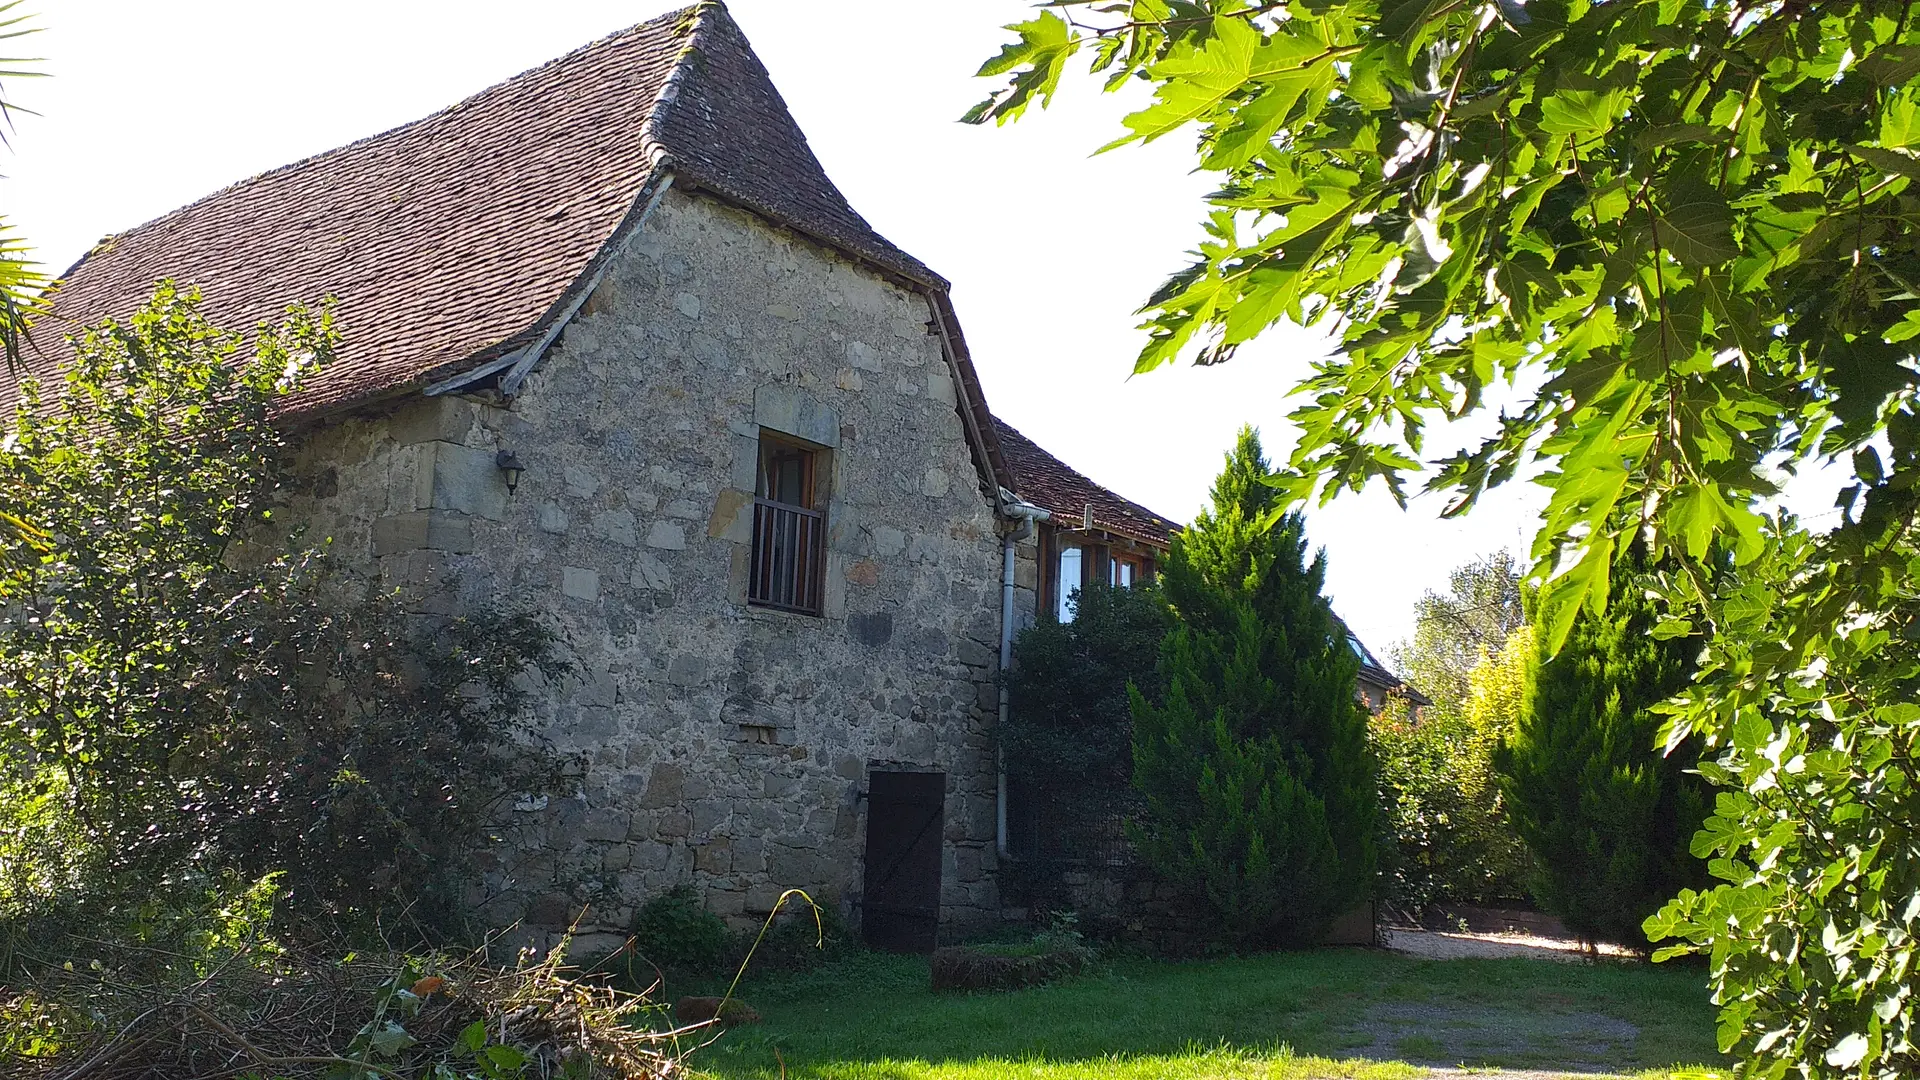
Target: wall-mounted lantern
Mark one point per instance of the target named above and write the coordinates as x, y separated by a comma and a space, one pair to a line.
510, 468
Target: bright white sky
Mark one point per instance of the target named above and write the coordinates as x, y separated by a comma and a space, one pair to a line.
1050, 250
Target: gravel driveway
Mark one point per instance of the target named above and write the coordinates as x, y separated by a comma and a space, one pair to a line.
1438, 945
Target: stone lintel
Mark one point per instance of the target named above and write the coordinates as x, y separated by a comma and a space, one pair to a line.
791, 411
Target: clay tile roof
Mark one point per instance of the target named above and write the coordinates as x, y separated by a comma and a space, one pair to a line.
728, 129
442, 239
461, 237
1054, 486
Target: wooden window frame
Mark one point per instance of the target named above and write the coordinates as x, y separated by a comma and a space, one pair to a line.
1055, 542
1142, 565
787, 562
1144, 560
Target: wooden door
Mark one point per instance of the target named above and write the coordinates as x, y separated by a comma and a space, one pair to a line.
900, 906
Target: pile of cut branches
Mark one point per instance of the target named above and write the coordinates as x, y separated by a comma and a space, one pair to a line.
282, 1014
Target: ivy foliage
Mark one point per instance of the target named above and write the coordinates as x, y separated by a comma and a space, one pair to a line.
1258, 784
1692, 227
189, 693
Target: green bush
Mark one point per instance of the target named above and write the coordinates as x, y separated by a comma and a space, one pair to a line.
676, 932
1259, 785
198, 697
1070, 721
1449, 837
43, 848
799, 939
1055, 951
1607, 815
1068, 738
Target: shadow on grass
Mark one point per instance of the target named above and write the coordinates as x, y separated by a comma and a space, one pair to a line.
1346, 1012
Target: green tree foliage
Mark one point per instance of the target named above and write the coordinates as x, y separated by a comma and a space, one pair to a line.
1812, 928
1498, 685
192, 695
1456, 631
1607, 815
20, 277
1690, 216
1692, 227
1070, 721
1258, 783
1444, 814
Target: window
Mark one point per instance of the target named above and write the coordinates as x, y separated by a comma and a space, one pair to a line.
789, 528
1360, 651
1070, 565
1069, 580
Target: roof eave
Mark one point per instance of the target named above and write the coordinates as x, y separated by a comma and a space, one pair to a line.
1065, 521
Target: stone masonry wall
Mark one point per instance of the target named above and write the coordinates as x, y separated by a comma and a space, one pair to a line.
726, 745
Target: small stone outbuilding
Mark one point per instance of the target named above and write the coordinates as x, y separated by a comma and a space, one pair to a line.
757, 487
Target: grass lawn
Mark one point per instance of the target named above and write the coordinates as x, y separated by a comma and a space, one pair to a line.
1333, 1013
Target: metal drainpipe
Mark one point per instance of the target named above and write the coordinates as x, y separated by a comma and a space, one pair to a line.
1027, 515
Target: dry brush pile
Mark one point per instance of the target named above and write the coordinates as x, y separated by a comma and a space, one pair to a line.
282, 1015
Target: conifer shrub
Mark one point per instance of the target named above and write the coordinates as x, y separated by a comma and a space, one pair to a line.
1607, 816
1258, 783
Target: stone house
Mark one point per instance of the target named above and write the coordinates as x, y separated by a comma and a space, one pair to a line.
617, 350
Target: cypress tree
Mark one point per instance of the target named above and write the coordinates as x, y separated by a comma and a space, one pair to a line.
1254, 768
1607, 815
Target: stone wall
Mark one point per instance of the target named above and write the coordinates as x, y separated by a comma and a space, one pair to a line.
725, 744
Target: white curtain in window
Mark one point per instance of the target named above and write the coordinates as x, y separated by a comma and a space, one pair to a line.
1123, 574
1069, 581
